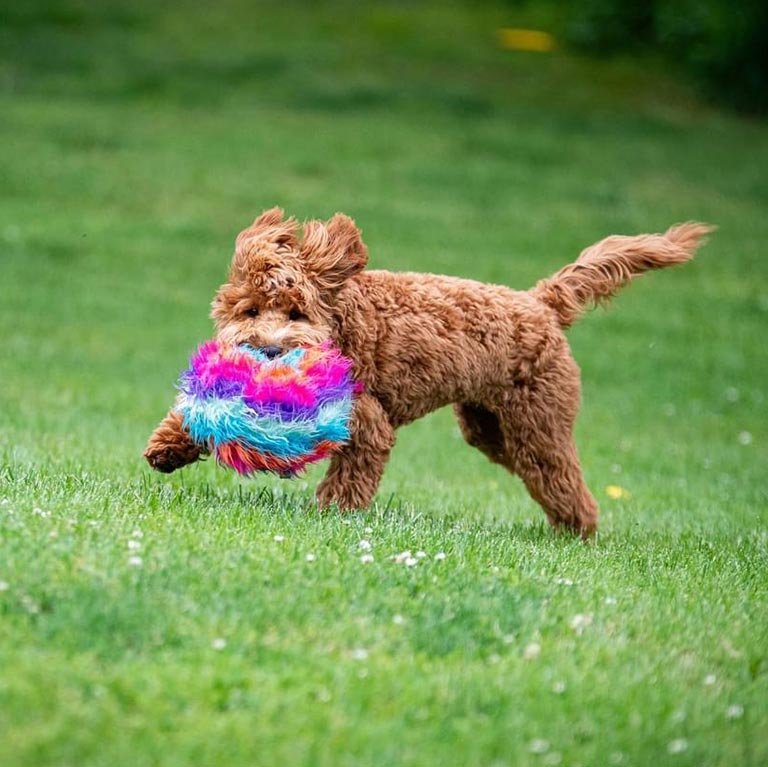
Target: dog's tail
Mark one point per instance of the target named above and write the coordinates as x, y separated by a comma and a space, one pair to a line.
605, 267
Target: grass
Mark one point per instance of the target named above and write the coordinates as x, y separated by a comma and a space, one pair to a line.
137, 139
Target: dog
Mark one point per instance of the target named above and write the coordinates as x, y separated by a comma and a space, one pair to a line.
421, 341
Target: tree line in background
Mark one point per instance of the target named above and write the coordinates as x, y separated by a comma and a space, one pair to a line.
722, 44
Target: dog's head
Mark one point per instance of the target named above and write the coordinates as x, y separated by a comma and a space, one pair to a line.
281, 287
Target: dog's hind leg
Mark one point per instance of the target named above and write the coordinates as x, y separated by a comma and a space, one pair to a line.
529, 431
548, 464
355, 471
480, 428
537, 420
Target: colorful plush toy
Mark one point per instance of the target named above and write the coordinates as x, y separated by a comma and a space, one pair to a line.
259, 414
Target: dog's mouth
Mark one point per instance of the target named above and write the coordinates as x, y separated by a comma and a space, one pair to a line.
267, 351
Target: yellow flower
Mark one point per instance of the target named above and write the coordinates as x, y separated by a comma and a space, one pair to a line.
616, 492
526, 40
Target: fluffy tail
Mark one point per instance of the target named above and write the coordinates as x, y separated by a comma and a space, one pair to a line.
605, 267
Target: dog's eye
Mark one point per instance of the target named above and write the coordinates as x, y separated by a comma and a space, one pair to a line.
295, 315
252, 312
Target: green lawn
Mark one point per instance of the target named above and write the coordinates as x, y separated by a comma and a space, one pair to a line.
151, 620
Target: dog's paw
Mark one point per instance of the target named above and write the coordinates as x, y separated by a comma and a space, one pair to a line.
165, 457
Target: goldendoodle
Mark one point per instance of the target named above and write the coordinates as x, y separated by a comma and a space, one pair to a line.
422, 341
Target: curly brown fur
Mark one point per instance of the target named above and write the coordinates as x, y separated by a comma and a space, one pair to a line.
422, 341
604, 268
170, 447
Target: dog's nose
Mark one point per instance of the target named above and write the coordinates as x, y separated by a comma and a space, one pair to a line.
271, 351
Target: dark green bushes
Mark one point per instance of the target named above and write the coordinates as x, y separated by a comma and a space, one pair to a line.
722, 44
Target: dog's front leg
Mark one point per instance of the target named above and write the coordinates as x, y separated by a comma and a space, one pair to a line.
355, 471
170, 447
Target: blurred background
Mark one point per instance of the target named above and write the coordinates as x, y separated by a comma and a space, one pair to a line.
486, 139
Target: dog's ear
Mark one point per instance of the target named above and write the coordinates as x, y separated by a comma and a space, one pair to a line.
333, 251
268, 229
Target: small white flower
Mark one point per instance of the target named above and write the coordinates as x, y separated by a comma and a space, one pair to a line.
135, 561
365, 545
440, 556
404, 558
219, 643
558, 687
310, 557
4, 586
366, 559
421, 554
710, 679
734, 711
745, 438
616, 468
532, 651
538, 746
398, 620
610, 600
579, 622
368, 530
279, 538
564, 582
677, 746
730, 649
53, 534
4, 502
137, 534
359, 653
133, 545
508, 639
30, 605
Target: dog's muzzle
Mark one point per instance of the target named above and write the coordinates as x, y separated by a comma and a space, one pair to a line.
270, 352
